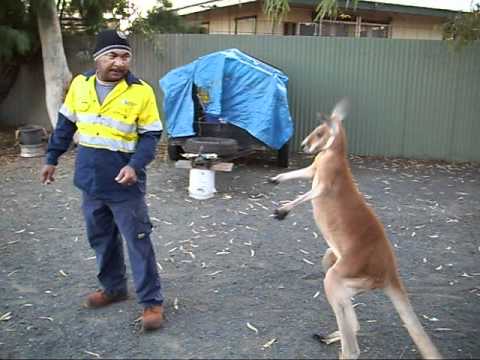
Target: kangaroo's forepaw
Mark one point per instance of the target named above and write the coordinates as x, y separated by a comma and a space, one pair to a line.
280, 214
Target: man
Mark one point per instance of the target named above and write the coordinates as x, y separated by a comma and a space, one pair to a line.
118, 126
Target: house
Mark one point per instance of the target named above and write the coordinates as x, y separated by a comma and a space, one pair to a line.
401, 19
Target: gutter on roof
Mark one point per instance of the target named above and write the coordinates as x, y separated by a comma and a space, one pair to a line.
210, 2
403, 9
362, 5
193, 5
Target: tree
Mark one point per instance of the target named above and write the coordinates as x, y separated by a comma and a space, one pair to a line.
55, 67
28, 23
161, 19
277, 9
16, 35
464, 28
90, 14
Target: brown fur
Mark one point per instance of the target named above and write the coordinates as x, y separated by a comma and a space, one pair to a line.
360, 256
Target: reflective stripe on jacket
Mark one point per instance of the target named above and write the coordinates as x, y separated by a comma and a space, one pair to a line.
128, 110
96, 165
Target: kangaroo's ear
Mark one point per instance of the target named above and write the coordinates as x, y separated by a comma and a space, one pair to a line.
333, 127
321, 117
340, 110
324, 119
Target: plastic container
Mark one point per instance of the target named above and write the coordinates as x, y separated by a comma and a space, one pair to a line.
31, 140
31, 135
201, 184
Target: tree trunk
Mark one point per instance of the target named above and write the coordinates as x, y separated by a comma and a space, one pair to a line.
55, 68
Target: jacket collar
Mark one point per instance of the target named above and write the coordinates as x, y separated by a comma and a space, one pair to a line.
130, 78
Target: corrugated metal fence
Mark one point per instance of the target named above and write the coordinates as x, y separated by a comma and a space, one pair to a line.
410, 98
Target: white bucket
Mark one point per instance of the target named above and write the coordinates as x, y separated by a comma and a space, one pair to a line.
201, 184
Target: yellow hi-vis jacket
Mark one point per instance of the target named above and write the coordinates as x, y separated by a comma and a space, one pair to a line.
128, 110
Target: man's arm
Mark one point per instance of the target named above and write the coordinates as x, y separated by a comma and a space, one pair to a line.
66, 126
58, 143
145, 152
149, 128
62, 134
60, 140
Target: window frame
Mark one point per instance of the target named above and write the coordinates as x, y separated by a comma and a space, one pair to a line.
356, 23
251, 17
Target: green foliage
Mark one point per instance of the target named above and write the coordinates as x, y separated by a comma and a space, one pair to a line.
161, 19
18, 19
464, 28
277, 9
92, 12
14, 42
328, 8
17, 29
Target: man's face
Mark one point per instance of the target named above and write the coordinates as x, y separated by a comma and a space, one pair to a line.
113, 66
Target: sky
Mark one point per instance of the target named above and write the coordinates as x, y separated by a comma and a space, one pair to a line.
464, 5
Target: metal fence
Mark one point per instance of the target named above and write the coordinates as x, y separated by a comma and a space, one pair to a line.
410, 98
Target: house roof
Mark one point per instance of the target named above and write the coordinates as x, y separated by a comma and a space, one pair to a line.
195, 6
451, 5
440, 8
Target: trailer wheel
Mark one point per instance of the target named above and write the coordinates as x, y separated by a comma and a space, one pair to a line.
220, 146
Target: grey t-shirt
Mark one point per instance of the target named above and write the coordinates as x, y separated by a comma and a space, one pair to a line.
103, 90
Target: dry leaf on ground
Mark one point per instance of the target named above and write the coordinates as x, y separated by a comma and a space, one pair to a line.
269, 343
251, 327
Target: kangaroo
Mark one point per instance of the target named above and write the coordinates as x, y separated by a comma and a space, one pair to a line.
359, 257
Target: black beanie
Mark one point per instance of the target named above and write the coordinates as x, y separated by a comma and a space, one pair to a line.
108, 40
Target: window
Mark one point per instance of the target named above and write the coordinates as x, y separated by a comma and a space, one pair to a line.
307, 29
289, 28
337, 28
246, 25
374, 30
205, 26
355, 27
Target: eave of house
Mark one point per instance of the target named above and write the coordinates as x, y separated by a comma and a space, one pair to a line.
207, 5
383, 7
362, 5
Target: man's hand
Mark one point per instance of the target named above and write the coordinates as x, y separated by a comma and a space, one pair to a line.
46, 175
126, 176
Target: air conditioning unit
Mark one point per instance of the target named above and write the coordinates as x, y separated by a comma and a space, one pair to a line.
307, 29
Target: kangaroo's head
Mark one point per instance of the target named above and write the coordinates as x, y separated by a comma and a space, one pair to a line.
324, 136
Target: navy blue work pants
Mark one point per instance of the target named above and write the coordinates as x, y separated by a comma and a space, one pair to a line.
107, 222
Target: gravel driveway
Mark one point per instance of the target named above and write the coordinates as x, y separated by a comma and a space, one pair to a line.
238, 283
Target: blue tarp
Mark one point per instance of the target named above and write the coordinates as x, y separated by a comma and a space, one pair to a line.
236, 89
